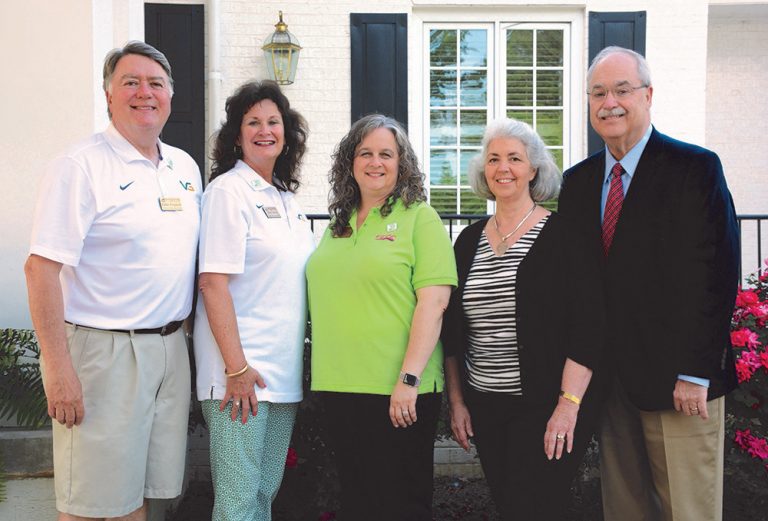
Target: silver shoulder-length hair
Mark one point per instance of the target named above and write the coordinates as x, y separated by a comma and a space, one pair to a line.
546, 184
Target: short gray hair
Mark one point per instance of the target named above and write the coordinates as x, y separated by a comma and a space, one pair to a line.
134, 47
643, 71
546, 184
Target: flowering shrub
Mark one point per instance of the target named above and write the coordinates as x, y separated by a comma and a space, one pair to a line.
749, 336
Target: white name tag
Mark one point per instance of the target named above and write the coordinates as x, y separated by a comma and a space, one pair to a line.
271, 212
170, 204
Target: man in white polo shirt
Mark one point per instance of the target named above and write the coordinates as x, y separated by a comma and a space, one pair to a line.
110, 278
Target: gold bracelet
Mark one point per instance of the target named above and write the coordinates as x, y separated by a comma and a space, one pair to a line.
241, 371
570, 397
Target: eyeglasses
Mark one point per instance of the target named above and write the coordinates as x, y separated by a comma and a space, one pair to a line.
621, 92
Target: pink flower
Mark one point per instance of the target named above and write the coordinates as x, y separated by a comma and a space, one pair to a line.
291, 459
743, 371
752, 359
745, 337
760, 311
742, 438
739, 337
758, 448
747, 298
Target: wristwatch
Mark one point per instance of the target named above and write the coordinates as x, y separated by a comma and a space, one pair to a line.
410, 379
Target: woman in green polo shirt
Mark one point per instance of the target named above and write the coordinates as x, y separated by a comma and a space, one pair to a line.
378, 285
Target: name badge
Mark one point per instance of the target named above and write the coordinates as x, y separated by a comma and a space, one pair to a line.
271, 212
170, 204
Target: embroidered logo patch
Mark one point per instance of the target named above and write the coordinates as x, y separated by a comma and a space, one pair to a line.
123, 187
186, 185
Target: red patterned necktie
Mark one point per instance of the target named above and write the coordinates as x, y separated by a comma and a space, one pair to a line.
612, 207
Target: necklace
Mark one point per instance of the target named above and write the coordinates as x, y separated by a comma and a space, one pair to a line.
502, 247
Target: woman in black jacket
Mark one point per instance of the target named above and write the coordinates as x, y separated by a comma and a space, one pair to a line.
523, 331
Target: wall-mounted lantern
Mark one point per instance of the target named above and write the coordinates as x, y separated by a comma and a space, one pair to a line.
281, 50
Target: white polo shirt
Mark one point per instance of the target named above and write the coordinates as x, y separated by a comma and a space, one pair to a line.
260, 237
127, 263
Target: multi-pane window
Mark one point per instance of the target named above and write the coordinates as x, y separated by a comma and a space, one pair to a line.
534, 82
479, 72
459, 107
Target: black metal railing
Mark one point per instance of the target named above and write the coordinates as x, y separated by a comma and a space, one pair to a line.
751, 240
750, 234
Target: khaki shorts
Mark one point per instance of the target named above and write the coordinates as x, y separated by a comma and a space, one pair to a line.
132, 442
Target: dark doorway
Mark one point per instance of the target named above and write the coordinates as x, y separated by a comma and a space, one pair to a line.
177, 31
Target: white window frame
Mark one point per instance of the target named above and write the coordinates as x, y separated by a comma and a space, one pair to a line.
491, 101
497, 20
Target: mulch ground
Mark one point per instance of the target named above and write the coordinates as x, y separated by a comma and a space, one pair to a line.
745, 498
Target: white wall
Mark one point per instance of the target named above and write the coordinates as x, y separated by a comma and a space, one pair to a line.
47, 103
737, 122
737, 112
52, 55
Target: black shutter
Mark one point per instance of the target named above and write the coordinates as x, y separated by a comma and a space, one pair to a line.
379, 65
177, 31
623, 29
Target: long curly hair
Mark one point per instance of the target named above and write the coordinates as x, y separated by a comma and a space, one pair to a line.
344, 195
225, 153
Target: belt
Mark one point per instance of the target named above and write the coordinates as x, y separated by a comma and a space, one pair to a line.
165, 330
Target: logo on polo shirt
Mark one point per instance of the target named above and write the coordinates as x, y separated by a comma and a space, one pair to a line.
186, 185
123, 187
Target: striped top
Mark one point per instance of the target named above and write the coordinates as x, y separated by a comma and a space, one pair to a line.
492, 358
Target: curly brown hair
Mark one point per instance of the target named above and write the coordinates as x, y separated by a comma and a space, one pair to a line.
345, 193
225, 154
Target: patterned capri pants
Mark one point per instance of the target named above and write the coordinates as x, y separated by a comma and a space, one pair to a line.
248, 461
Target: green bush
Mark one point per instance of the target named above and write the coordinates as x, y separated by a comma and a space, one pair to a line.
22, 397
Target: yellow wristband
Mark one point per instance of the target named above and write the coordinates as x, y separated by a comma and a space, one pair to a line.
570, 397
241, 371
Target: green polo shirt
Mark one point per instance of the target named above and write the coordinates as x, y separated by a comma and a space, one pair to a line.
362, 294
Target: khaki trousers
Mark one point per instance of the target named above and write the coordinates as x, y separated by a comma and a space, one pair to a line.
661, 465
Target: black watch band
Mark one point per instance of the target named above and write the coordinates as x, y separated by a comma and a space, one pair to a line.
410, 379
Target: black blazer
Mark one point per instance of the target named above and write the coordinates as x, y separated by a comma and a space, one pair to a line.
559, 314
672, 272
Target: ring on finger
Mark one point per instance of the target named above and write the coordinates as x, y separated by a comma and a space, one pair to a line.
560, 437
404, 412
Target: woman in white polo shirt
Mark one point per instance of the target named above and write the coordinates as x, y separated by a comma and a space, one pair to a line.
250, 321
